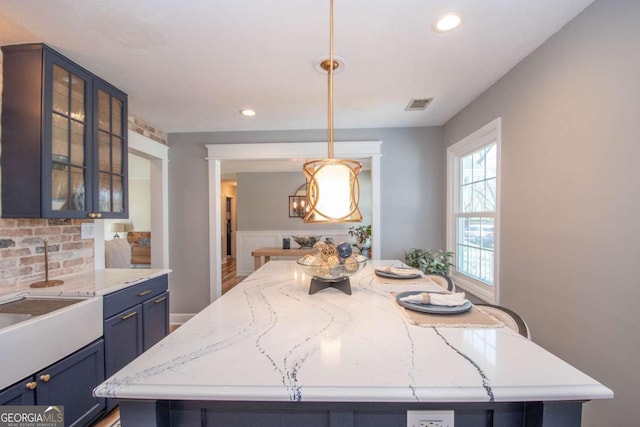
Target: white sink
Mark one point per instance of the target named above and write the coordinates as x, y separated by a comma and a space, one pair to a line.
32, 342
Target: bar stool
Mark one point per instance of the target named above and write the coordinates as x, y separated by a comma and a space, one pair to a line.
510, 318
444, 281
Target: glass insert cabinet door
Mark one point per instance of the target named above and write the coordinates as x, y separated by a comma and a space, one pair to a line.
111, 183
68, 141
64, 138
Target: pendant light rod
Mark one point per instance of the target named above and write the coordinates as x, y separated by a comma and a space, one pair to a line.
331, 67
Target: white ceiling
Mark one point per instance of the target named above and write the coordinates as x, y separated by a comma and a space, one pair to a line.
191, 65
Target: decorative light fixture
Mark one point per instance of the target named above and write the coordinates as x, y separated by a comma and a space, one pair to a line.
334, 191
120, 227
298, 203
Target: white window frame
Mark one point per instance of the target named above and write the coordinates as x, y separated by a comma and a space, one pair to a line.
488, 134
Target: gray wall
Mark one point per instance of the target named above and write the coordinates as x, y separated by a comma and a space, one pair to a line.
412, 194
263, 201
571, 197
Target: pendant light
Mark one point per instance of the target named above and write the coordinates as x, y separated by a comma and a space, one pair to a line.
333, 191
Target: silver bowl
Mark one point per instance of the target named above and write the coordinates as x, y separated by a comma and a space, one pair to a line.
307, 241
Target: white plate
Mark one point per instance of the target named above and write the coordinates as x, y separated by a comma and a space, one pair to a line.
397, 276
432, 309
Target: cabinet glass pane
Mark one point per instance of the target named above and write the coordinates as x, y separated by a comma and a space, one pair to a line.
104, 152
116, 116
59, 186
117, 194
104, 102
117, 155
77, 189
60, 138
104, 190
61, 80
77, 143
77, 98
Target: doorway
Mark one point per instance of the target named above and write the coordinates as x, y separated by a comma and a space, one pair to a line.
158, 156
267, 151
229, 200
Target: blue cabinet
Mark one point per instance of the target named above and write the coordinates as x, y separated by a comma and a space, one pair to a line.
155, 316
64, 138
68, 382
22, 393
123, 339
135, 319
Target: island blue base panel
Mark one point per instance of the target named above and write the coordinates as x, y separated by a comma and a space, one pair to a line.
343, 414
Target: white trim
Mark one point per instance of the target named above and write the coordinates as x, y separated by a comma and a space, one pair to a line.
489, 133
250, 240
180, 318
158, 154
309, 150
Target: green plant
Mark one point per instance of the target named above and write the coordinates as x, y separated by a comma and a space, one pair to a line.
429, 261
361, 234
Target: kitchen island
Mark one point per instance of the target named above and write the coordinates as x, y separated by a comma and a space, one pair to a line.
269, 354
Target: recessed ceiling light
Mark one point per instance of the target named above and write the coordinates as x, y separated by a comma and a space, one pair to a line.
247, 112
447, 22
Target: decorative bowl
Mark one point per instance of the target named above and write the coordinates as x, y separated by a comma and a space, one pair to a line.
307, 241
321, 271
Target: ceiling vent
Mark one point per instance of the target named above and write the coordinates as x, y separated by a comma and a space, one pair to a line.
418, 104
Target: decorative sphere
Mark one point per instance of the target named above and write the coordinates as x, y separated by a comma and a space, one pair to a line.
344, 250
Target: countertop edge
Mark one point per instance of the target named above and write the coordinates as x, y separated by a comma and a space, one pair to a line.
353, 394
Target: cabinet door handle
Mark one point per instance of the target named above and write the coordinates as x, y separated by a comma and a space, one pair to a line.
45, 378
143, 293
127, 316
91, 215
159, 300
32, 385
98, 215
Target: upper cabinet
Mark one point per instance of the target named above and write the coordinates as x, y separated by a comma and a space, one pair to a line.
64, 138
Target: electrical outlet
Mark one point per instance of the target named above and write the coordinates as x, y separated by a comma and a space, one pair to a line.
430, 419
87, 230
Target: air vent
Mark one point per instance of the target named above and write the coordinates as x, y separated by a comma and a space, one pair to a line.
418, 104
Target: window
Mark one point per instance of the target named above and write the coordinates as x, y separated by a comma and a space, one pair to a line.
473, 210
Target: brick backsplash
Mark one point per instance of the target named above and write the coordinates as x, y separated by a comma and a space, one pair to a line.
138, 125
22, 249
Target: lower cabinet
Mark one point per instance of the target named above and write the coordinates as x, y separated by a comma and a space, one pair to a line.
155, 320
68, 382
135, 319
22, 393
123, 339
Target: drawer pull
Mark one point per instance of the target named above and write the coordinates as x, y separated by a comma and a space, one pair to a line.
32, 385
143, 293
45, 378
159, 300
127, 316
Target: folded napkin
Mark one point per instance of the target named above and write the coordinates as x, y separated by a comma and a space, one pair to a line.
450, 300
399, 271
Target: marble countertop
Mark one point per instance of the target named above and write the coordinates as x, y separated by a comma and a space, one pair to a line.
87, 284
268, 340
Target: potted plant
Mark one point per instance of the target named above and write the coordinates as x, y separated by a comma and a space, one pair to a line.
362, 235
429, 261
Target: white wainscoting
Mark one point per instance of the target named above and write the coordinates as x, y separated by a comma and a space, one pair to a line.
248, 241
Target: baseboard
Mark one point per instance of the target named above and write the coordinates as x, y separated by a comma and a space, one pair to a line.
180, 318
